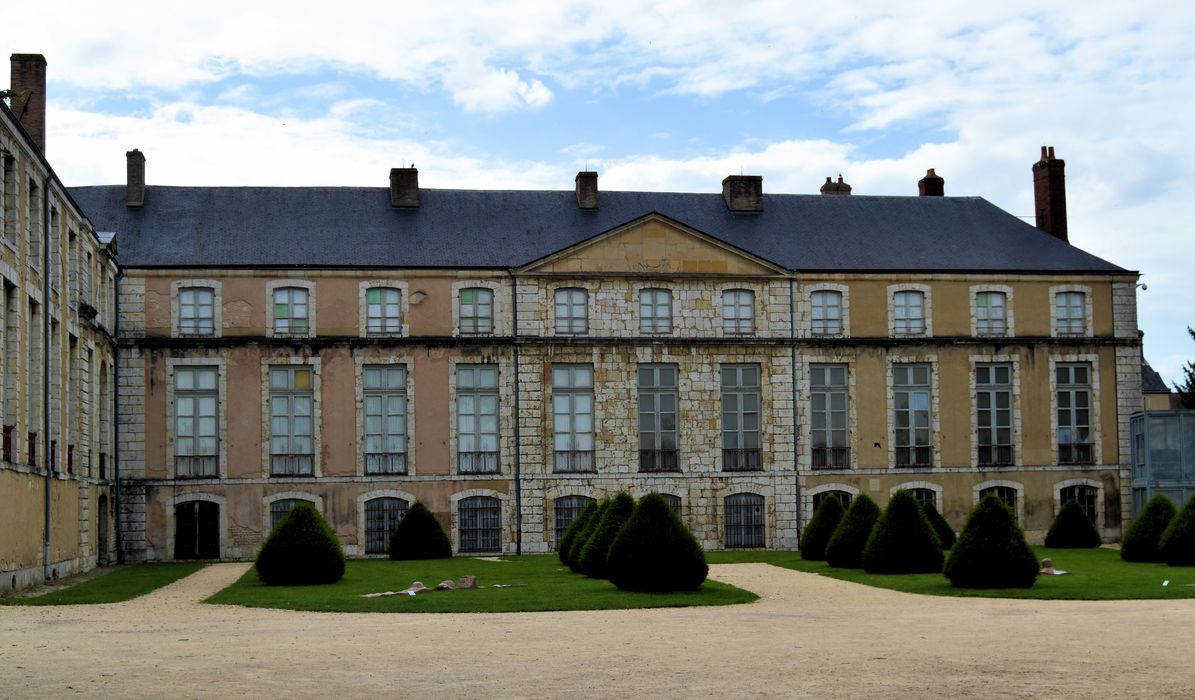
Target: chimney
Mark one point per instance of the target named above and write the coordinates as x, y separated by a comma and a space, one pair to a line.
743, 192
404, 187
135, 182
587, 191
839, 187
1049, 193
931, 185
29, 79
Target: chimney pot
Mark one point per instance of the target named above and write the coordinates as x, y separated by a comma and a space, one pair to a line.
587, 189
931, 185
135, 182
743, 192
404, 188
28, 78
1049, 193
835, 188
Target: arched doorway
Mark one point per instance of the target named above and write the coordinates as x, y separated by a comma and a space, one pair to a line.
197, 530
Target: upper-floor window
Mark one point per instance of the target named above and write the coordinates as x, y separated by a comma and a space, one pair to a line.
477, 418
572, 418
383, 310
385, 397
8, 198
33, 225
908, 312
196, 422
991, 313
657, 418
655, 311
292, 426
476, 311
1070, 313
828, 416
826, 312
291, 311
738, 311
993, 414
1073, 385
741, 447
911, 401
196, 311
572, 311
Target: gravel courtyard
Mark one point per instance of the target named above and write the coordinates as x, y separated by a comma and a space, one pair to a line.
807, 636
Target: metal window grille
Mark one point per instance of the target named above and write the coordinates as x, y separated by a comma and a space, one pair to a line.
843, 497
196, 429
911, 399
567, 510
657, 418
572, 418
385, 409
923, 496
292, 442
477, 419
828, 396
908, 309
572, 311
383, 310
103, 465
991, 313
655, 311
280, 508
53, 456
196, 311
1084, 495
291, 311
673, 502
1070, 313
993, 414
826, 312
70, 459
9, 444
1073, 385
738, 312
476, 311
744, 520
480, 524
32, 449
741, 448
381, 516
1007, 494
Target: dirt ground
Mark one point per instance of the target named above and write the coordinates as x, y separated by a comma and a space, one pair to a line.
807, 636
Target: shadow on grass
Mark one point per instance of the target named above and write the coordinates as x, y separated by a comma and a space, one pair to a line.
121, 584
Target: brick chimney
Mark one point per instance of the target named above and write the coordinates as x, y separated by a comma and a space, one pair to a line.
404, 188
587, 191
839, 187
931, 185
29, 79
135, 182
1049, 193
743, 192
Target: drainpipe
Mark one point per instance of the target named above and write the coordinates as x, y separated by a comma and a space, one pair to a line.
114, 398
45, 369
514, 306
792, 330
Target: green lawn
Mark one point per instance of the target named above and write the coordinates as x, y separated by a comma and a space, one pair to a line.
538, 583
124, 583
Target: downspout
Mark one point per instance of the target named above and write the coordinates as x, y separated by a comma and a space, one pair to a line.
45, 370
514, 306
114, 398
792, 329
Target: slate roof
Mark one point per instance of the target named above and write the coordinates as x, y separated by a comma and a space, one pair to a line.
357, 227
1151, 381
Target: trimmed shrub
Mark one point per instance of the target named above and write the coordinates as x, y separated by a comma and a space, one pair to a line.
1072, 529
820, 528
419, 536
655, 552
596, 554
902, 541
301, 551
946, 536
1177, 545
570, 533
1142, 538
583, 535
991, 551
845, 548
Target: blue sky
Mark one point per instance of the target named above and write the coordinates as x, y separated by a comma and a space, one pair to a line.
670, 95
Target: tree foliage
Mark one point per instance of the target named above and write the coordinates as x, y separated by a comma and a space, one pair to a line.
1072, 529
845, 548
991, 551
903, 541
570, 533
419, 536
583, 535
820, 528
1145, 532
1177, 545
655, 552
596, 554
1186, 389
946, 536
301, 551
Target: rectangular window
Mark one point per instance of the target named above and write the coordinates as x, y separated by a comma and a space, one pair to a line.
828, 415
911, 399
655, 311
908, 313
196, 311
657, 418
196, 432
385, 397
477, 311
1074, 413
826, 313
993, 413
33, 225
477, 418
480, 524
8, 199
53, 236
991, 313
292, 443
572, 418
738, 312
1070, 313
291, 311
741, 449
383, 310
572, 311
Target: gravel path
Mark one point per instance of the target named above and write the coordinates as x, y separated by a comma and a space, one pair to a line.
808, 636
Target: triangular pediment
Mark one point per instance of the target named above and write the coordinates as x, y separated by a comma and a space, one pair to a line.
653, 244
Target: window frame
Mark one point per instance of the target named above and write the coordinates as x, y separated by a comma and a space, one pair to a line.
1082, 493
844, 497
832, 454
375, 543
478, 461
744, 521
741, 456
208, 462
1071, 300
293, 464
911, 452
571, 506
384, 323
289, 288
738, 312
476, 322
485, 534
655, 300
575, 458
987, 324
660, 389
274, 513
197, 319
566, 299
904, 321
1075, 451
995, 452
1003, 491
388, 461
839, 319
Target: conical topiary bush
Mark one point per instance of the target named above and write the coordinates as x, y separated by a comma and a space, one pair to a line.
302, 550
570, 533
945, 533
583, 535
1141, 540
1072, 529
845, 548
419, 536
820, 528
991, 551
902, 541
655, 552
595, 556
1177, 545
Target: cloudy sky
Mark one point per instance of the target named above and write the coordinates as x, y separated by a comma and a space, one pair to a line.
668, 95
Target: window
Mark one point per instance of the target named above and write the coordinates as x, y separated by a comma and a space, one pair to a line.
908, 313
657, 418
1085, 496
196, 441
381, 515
993, 414
1074, 413
480, 524
385, 406
383, 310
744, 520
1070, 313
828, 416
292, 444
196, 311
741, 449
572, 417
281, 508
1007, 494
477, 311
567, 510
924, 496
33, 225
655, 311
572, 311
291, 311
477, 418
738, 312
8, 199
843, 497
826, 312
911, 399
673, 502
991, 313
